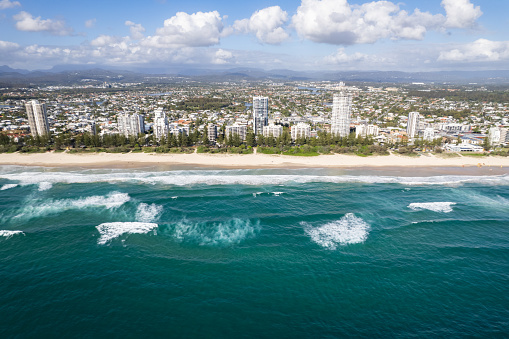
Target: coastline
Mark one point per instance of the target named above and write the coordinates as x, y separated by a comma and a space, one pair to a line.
132, 160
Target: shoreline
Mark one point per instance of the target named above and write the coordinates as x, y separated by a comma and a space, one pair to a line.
247, 161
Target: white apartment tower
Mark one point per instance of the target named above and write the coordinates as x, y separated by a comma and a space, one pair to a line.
160, 124
260, 114
37, 118
341, 110
131, 124
412, 124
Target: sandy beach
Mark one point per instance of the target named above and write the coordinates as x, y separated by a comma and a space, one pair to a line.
245, 161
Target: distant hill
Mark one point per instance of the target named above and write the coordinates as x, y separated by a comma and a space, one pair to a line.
72, 74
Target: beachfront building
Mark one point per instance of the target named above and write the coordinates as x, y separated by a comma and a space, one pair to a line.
160, 126
429, 134
300, 130
272, 130
260, 114
412, 124
131, 124
212, 132
341, 111
464, 147
37, 118
494, 136
367, 130
236, 129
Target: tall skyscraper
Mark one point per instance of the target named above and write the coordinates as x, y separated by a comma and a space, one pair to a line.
341, 110
160, 124
37, 118
412, 124
260, 114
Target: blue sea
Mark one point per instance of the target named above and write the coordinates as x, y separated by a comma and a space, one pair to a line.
253, 253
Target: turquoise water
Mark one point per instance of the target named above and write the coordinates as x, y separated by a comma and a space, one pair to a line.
252, 253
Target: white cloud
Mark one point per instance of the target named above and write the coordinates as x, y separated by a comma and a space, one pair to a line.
26, 22
7, 45
105, 40
340, 23
461, 13
90, 23
265, 24
197, 29
341, 57
4, 4
481, 50
222, 57
136, 30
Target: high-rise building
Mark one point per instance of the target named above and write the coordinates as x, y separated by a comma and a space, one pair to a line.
37, 118
260, 114
300, 130
160, 124
131, 125
341, 110
412, 124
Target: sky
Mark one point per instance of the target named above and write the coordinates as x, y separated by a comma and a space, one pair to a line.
300, 35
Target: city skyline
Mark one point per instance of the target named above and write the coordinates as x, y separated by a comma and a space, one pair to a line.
305, 35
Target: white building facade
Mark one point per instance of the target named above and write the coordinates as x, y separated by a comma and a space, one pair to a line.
260, 114
131, 125
160, 126
300, 130
272, 130
412, 124
341, 111
367, 130
236, 129
37, 118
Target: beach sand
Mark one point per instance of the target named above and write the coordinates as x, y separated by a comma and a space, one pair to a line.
117, 160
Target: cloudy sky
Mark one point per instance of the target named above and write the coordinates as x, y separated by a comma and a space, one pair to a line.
414, 35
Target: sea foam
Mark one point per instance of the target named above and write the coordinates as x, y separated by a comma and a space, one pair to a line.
347, 230
218, 233
44, 186
46, 207
444, 207
114, 230
8, 234
7, 186
148, 213
231, 177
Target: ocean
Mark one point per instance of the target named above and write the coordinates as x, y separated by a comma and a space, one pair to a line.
228, 253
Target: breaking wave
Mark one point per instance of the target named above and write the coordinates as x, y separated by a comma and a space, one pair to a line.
213, 234
114, 230
348, 230
7, 186
8, 234
43, 208
225, 177
444, 207
44, 186
148, 213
